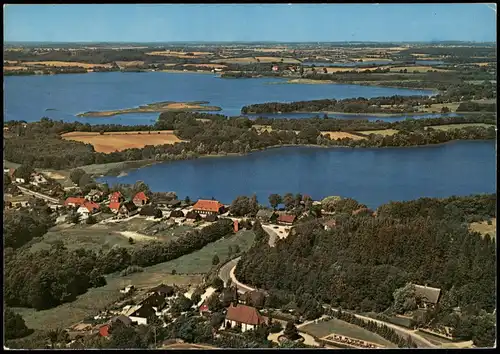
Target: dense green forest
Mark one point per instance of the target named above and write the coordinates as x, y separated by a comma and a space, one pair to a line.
39, 144
424, 241
47, 278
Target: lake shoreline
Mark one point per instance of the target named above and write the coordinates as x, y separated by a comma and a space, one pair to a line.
106, 170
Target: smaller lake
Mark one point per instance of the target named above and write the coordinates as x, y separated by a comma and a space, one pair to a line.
372, 176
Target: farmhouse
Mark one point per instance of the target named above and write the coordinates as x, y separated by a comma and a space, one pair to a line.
94, 195
150, 210
208, 207
243, 316
116, 197
286, 219
204, 310
140, 199
193, 215
429, 296
128, 209
265, 215
164, 290
88, 208
177, 214
37, 179
114, 207
140, 313
74, 201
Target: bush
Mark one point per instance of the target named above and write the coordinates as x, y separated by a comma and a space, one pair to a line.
91, 220
130, 270
275, 327
174, 272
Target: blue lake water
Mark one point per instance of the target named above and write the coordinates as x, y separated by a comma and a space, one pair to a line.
61, 97
372, 176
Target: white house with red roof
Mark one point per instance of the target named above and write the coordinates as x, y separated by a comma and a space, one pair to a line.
115, 197
88, 208
245, 316
74, 201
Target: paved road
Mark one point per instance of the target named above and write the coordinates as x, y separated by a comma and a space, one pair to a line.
227, 272
39, 195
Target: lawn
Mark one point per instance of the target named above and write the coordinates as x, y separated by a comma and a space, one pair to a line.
341, 135
483, 228
434, 339
459, 126
384, 132
325, 328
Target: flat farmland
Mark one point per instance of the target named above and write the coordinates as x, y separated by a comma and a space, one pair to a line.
66, 64
336, 326
483, 228
341, 135
169, 53
252, 60
459, 126
436, 107
119, 141
418, 68
384, 132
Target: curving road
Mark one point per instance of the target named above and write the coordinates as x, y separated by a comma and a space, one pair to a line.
226, 272
273, 236
39, 195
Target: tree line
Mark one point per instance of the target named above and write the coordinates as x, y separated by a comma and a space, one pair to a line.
423, 242
47, 278
39, 144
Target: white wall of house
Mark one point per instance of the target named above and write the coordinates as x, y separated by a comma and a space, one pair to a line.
244, 327
84, 212
20, 180
139, 320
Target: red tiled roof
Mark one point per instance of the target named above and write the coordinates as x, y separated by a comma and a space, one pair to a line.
75, 200
114, 205
91, 206
286, 218
204, 308
104, 331
141, 196
244, 314
208, 205
115, 196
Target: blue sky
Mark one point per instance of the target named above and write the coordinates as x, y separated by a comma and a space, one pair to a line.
249, 22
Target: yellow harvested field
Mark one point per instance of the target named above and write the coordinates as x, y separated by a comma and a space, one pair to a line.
12, 68
384, 132
483, 228
170, 53
66, 63
252, 60
341, 135
482, 64
418, 68
118, 141
211, 65
129, 63
270, 50
10, 61
459, 126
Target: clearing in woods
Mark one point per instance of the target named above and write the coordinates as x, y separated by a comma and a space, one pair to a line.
341, 135
384, 132
483, 228
118, 141
459, 126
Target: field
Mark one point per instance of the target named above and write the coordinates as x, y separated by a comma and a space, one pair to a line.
208, 65
483, 228
187, 346
253, 60
458, 126
105, 236
118, 141
341, 135
384, 132
322, 329
14, 68
66, 64
94, 300
125, 64
169, 53
436, 107
420, 68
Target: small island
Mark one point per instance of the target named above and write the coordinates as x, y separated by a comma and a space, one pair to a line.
158, 107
